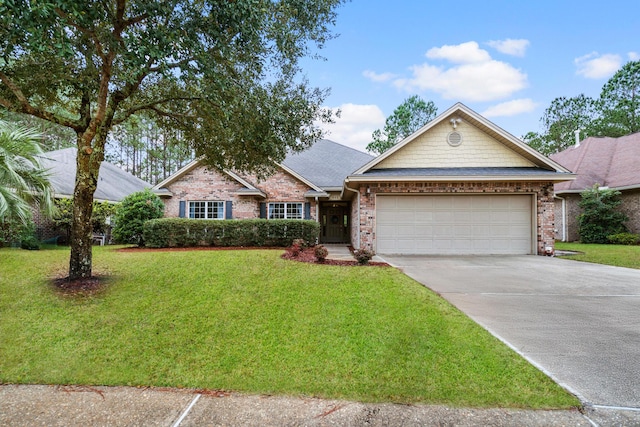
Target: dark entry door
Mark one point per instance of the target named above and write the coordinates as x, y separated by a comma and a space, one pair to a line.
335, 223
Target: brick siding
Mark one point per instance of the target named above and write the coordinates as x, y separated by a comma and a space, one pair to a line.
204, 184
542, 191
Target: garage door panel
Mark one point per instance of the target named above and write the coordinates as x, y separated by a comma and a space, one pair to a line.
454, 224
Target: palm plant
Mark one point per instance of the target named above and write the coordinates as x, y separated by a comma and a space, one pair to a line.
23, 180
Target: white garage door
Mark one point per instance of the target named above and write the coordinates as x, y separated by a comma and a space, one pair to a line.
454, 224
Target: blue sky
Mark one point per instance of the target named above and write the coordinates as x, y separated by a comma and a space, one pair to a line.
507, 60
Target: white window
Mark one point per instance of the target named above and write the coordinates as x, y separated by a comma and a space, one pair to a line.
285, 211
206, 210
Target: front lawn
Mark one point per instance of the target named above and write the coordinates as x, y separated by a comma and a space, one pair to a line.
618, 255
250, 321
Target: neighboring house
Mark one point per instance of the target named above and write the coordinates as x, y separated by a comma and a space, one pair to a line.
459, 185
609, 162
114, 184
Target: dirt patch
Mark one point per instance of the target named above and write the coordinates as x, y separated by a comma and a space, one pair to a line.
85, 287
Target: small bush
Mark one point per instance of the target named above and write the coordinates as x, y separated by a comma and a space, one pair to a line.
183, 232
132, 213
295, 249
320, 252
30, 243
363, 256
624, 239
600, 215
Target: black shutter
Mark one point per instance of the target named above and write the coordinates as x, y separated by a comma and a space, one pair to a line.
228, 210
307, 210
183, 208
263, 210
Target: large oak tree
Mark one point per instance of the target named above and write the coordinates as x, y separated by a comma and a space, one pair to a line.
224, 72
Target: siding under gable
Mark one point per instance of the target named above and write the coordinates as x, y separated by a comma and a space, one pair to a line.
431, 150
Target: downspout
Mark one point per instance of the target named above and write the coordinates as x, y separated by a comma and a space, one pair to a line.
564, 217
358, 217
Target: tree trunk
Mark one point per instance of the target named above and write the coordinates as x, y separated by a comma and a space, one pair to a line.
88, 165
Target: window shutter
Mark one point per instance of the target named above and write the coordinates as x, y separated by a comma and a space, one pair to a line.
228, 209
307, 210
183, 208
263, 210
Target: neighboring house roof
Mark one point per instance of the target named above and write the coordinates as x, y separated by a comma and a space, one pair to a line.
114, 184
505, 157
326, 163
609, 162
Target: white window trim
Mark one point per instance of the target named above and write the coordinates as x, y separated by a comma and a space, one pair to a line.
286, 205
206, 208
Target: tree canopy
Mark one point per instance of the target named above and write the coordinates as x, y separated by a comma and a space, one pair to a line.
408, 117
615, 113
224, 73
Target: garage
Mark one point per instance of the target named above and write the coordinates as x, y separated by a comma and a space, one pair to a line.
454, 224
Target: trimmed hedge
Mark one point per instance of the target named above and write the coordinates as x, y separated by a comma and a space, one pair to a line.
182, 232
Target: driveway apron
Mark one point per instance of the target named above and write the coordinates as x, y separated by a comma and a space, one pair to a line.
578, 322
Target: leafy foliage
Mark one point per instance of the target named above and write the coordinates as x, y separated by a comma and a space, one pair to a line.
624, 239
600, 217
363, 256
320, 253
615, 113
23, 181
225, 74
407, 118
620, 101
13, 231
182, 232
63, 217
132, 213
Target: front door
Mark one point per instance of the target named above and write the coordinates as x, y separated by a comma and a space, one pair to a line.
335, 223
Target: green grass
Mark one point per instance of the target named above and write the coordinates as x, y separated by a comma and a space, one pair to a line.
250, 321
618, 255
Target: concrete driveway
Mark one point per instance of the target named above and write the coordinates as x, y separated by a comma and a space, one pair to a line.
579, 322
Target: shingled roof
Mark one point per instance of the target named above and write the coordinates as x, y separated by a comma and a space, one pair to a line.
114, 184
609, 162
326, 163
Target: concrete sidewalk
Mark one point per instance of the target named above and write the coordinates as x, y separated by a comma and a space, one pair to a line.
40, 405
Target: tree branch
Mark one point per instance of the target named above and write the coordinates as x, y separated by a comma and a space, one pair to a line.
154, 106
24, 106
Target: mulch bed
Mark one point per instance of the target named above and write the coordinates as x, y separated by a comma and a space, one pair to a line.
85, 287
306, 255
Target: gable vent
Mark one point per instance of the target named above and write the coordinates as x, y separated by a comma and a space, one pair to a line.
454, 138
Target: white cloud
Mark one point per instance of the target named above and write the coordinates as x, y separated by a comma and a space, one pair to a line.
378, 78
475, 77
515, 47
596, 66
355, 125
510, 108
633, 56
465, 53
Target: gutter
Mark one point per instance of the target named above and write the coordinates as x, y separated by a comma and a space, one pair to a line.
457, 178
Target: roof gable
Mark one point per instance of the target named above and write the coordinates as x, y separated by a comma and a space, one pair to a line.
483, 145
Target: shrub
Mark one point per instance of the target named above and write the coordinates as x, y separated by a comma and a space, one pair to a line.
63, 217
320, 252
183, 232
624, 239
600, 217
28, 239
363, 256
295, 248
132, 213
11, 231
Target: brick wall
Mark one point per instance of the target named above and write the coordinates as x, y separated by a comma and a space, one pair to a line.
543, 192
204, 184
